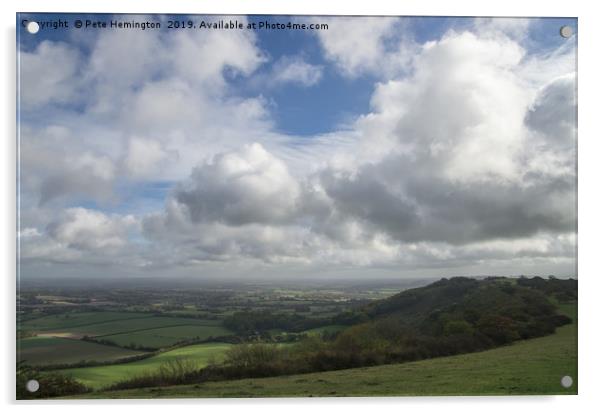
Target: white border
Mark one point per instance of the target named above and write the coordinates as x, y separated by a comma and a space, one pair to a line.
589, 194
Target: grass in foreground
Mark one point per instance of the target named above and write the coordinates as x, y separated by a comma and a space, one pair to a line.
526, 367
103, 376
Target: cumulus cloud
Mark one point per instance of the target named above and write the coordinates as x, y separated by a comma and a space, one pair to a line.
48, 74
249, 185
130, 105
80, 235
464, 101
245, 203
364, 45
144, 156
295, 70
202, 59
465, 138
85, 229
56, 165
553, 113
462, 135
516, 28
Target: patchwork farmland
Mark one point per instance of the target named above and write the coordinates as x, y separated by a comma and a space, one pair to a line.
88, 337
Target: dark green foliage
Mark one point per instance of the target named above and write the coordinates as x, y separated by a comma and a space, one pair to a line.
172, 372
253, 322
562, 290
51, 384
96, 363
497, 308
108, 342
351, 317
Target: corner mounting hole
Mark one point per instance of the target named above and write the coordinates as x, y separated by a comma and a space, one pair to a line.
566, 31
566, 381
32, 386
33, 27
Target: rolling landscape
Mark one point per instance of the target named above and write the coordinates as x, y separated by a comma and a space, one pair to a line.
499, 335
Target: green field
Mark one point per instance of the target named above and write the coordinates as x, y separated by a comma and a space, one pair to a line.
168, 336
73, 320
525, 367
41, 351
57, 341
102, 376
126, 329
127, 326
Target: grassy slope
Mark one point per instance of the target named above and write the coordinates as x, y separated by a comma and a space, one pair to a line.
53, 350
527, 367
102, 376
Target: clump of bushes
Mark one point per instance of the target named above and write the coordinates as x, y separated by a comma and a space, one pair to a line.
51, 384
247, 323
172, 372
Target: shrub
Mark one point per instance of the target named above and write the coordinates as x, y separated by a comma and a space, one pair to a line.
453, 327
51, 384
172, 372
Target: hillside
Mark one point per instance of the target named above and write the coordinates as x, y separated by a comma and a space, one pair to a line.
523, 307
525, 367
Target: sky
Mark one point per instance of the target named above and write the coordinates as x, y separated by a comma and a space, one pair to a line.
380, 147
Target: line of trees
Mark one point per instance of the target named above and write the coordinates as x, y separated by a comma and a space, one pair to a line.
246, 323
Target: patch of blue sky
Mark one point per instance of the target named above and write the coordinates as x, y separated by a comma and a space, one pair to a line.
136, 198
297, 109
142, 197
544, 34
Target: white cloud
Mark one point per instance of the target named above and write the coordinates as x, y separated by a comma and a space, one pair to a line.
122, 59
246, 186
295, 70
365, 45
146, 99
86, 229
55, 164
83, 236
203, 58
145, 156
467, 86
48, 75
516, 28
553, 113
457, 163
